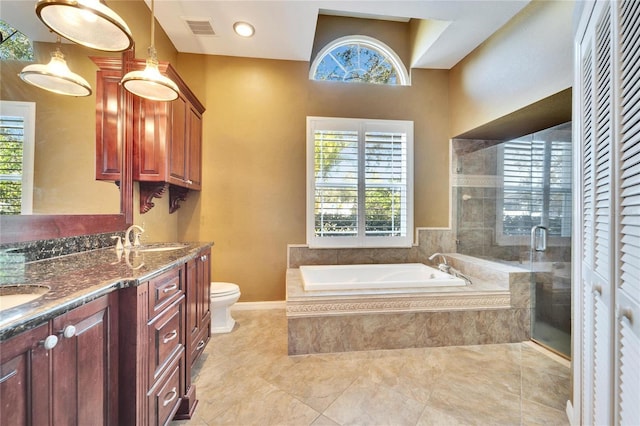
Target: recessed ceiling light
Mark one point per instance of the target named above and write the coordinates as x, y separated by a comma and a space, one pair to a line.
244, 29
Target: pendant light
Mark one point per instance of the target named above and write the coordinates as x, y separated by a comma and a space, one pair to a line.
56, 76
87, 22
150, 84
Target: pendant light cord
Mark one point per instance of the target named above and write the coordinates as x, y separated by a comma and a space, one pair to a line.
153, 27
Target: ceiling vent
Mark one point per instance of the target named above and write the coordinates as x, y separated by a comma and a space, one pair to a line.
200, 27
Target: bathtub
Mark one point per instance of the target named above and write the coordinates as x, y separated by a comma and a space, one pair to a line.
375, 276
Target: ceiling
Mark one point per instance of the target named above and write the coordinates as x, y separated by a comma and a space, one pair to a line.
447, 29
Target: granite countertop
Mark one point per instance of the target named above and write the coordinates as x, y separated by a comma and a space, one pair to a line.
79, 278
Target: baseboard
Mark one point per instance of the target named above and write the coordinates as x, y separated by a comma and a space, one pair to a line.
255, 306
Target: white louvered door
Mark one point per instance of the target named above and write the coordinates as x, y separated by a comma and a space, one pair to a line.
628, 248
607, 301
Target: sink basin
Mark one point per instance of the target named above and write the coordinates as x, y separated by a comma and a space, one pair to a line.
14, 295
160, 247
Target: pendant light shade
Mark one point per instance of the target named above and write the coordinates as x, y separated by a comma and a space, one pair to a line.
56, 77
87, 22
150, 84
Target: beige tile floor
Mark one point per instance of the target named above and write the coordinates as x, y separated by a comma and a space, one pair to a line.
246, 378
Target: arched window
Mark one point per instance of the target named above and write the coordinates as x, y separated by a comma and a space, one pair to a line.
359, 59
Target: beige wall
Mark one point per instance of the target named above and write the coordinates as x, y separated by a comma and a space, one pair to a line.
253, 201
529, 59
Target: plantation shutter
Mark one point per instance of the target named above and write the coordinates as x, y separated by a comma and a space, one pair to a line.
385, 183
12, 138
628, 294
537, 186
336, 183
359, 182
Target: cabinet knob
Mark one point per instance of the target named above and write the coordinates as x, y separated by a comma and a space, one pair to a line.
200, 345
50, 342
68, 332
189, 181
203, 258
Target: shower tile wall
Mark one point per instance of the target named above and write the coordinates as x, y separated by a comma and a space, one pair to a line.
474, 185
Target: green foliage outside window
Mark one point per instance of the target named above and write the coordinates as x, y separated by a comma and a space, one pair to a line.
15, 45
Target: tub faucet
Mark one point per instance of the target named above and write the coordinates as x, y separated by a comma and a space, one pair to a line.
444, 266
136, 236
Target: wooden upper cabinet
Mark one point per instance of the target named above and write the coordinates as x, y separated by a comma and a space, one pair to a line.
167, 136
108, 139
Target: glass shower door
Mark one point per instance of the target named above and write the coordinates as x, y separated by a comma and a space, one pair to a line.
550, 244
550, 293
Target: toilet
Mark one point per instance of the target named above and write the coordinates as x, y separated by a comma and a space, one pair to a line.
223, 296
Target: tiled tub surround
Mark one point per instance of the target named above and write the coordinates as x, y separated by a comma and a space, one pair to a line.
80, 278
494, 309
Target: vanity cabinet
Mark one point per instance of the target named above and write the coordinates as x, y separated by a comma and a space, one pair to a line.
166, 136
73, 382
198, 322
152, 351
198, 300
24, 396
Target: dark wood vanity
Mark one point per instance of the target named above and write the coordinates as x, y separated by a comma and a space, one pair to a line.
136, 332
116, 353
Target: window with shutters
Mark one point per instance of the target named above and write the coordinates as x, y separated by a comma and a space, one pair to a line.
359, 183
536, 186
17, 126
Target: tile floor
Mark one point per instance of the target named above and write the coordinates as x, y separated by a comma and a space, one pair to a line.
246, 378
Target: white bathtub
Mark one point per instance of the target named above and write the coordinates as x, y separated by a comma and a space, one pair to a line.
375, 276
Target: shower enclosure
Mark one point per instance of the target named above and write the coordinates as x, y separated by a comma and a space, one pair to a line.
512, 203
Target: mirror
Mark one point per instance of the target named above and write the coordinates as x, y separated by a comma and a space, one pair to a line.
67, 199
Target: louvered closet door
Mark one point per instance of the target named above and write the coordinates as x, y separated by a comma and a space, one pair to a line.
597, 224
628, 288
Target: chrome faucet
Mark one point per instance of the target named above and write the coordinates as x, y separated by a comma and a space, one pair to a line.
136, 236
444, 266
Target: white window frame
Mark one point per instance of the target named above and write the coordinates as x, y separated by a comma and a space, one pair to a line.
362, 126
26, 110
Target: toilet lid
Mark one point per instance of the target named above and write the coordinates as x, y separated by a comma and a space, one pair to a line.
219, 288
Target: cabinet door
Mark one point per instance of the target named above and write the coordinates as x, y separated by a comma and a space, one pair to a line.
150, 134
24, 379
204, 289
84, 365
193, 325
178, 144
108, 143
194, 174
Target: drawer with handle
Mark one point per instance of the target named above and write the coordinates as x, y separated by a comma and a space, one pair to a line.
164, 399
166, 339
164, 290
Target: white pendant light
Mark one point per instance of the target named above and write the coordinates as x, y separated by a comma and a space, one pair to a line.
150, 84
56, 77
87, 22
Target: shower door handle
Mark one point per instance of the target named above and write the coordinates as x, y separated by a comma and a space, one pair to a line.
539, 244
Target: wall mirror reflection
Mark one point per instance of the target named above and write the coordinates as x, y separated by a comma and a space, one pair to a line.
47, 141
